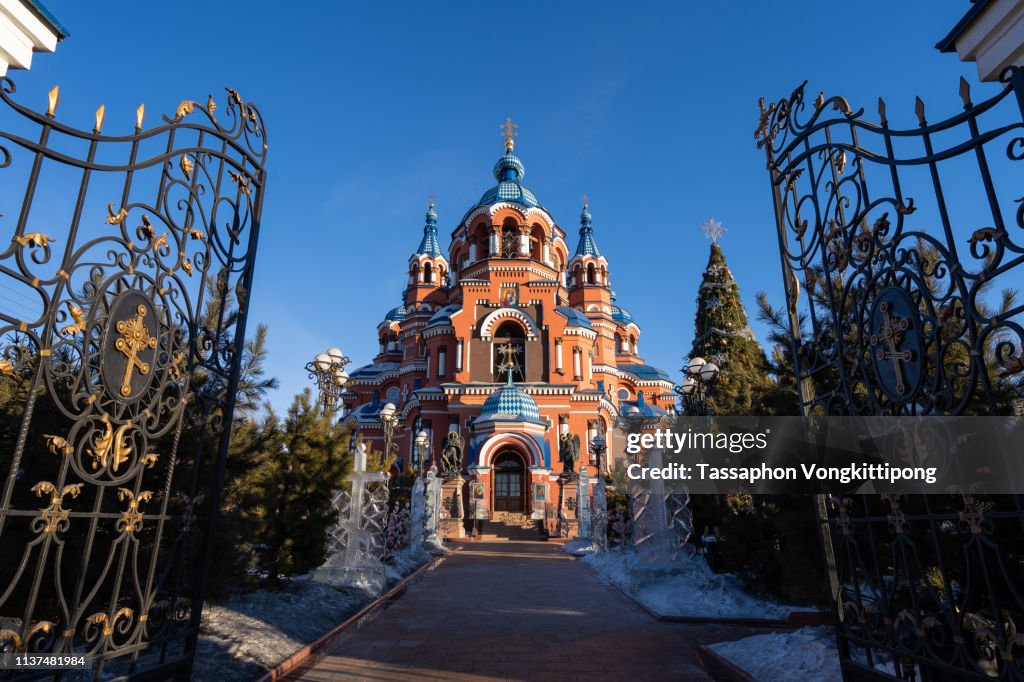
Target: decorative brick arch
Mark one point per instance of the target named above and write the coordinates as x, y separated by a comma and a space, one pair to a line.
488, 324
521, 443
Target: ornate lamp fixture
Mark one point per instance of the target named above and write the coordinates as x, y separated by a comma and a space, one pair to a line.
598, 446
700, 375
390, 420
328, 371
422, 446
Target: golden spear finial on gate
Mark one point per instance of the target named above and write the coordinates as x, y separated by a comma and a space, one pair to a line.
54, 100
100, 113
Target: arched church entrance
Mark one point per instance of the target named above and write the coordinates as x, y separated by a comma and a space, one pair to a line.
509, 482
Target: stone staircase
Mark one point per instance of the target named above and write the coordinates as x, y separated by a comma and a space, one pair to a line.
510, 526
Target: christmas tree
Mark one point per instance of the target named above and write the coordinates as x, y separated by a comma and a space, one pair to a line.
723, 336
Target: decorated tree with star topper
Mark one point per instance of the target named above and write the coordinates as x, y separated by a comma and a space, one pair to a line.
723, 336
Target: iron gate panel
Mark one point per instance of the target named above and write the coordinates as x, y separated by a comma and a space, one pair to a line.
120, 339
893, 275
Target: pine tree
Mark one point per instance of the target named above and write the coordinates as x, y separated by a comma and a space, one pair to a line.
723, 336
784, 398
292, 488
252, 381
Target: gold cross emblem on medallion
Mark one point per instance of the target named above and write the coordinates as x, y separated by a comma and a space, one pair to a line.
134, 338
890, 335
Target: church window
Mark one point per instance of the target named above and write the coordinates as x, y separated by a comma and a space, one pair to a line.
509, 349
509, 241
591, 274
428, 273
623, 394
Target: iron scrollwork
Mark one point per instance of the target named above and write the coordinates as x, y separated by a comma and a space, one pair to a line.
119, 354
898, 269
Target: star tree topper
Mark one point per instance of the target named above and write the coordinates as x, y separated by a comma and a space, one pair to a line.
713, 230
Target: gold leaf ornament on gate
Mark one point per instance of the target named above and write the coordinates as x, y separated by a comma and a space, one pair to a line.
112, 444
54, 516
36, 239
118, 217
131, 519
186, 166
58, 445
78, 315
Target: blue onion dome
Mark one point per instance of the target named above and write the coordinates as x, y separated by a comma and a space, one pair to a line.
396, 314
585, 217
429, 246
509, 168
510, 403
509, 172
621, 315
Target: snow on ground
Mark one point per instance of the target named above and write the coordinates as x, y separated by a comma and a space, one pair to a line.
694, 591
804, 654
251, 632
579, 547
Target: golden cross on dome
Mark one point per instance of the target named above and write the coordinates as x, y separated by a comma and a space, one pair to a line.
508, 132
713, 230
585, 204
431, 198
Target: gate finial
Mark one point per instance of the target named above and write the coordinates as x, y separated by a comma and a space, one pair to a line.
965, 92
54, 99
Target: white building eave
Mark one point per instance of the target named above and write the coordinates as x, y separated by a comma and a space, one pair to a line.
24, 30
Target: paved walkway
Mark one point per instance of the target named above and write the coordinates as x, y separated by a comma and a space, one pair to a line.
517, 611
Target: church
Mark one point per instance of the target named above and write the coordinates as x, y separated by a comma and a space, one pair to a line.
506, 346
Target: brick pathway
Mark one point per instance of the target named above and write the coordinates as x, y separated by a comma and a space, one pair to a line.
516, 611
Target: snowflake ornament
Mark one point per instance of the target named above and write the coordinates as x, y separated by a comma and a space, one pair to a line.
713, 230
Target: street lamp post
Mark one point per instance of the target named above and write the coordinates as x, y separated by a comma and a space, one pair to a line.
599, 530
389, 420
328, 371
598, 447
422, 446
699, 375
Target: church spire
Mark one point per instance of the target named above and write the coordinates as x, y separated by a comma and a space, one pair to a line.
429, 246
587, 245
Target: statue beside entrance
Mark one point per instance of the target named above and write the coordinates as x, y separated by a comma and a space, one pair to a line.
569, 453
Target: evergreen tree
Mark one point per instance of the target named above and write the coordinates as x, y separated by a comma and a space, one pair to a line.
724, 337
252, 381
783, 399
291, 490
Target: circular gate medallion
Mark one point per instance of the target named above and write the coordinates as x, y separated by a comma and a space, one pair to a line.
896, 345
129, 346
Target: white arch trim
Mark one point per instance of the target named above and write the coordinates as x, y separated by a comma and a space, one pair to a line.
542, 214
488, 323
519, 442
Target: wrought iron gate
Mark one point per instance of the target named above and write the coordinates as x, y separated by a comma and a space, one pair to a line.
892, 264
124, 292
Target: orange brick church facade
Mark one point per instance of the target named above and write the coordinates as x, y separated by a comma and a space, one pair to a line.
508, 297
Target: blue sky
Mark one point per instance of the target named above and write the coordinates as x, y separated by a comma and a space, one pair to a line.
648, 108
